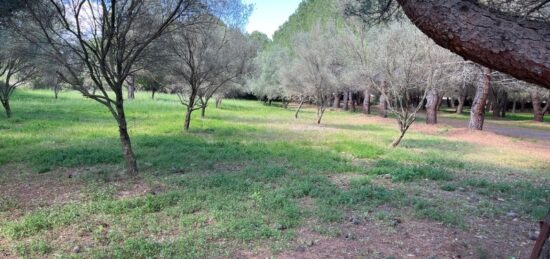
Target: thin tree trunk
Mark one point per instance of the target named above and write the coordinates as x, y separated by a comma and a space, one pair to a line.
346, 101
129, 157
299, 107
153, 95
522, 106
397, 141
353, 100
218, 102
514, 106
7, 107
484, 36
320, 114
448, 100
460, 107
431, 107
366, 102
191, 104
203, 112
477, 114
383, 107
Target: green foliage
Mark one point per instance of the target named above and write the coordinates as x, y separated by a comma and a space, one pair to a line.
308, 14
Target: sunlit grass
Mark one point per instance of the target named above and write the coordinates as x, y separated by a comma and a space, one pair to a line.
236, 180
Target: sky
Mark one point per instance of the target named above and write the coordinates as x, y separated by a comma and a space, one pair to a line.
268, 15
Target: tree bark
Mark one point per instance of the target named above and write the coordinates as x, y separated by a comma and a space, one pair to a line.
431, 107
477, 114
129, 157
336, 102
346, 101
353, 101
7, 107
190, 106
507, 43
383, 107
538, 110
131, 88
366, 102
203, 112
460, 107
153, 95
299, 107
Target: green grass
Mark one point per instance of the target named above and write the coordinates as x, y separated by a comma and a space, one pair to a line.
236, 181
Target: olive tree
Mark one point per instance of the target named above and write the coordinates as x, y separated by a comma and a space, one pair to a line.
103, 40
204, 58
317, 67
407, 63
16, 66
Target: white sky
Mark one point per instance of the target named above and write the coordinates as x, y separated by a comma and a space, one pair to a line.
268, 15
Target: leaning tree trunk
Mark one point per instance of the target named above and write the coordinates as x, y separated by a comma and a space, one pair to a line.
538, 110
431, 107
507, 43
460, 107
129, 157
477, 114
299, 107
7, 107
366, 102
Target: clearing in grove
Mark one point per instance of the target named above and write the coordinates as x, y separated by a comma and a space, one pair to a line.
250, 181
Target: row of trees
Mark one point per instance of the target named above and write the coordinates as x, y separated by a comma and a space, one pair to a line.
99, 48
396, 64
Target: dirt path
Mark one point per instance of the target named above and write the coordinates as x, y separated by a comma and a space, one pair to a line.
505, 130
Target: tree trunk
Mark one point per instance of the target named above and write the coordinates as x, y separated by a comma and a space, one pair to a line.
514, 106
522, 106
383, 107
448, 101
336, 102
366, 102
397, 141
353, 101
460, 107
453, 104
218, 102
129, 157
477, 114
7, 107
299, 107
153, 95
203, 112
320, 113
346, 99
431, 107
131, 88
191, 104
538, 110
507, 43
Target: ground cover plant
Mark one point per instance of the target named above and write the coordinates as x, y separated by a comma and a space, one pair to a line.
252, 181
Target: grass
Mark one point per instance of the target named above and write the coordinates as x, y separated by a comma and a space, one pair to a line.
236, 182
